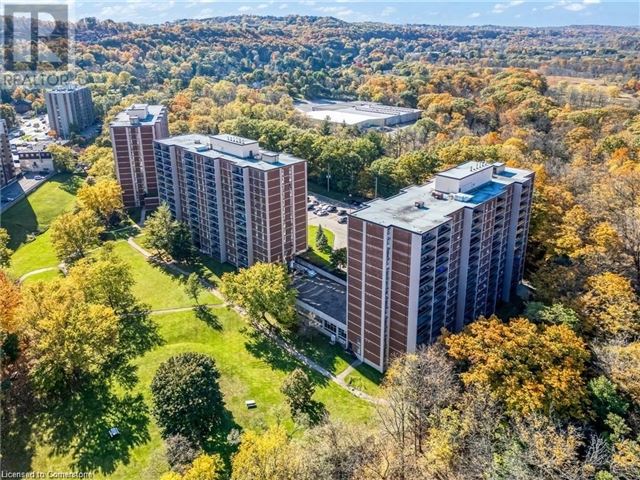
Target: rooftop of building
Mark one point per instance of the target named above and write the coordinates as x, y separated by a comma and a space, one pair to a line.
422, 208
66, 88
141, 113
351, 113
203, 145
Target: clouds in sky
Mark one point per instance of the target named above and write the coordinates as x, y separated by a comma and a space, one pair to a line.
498, 12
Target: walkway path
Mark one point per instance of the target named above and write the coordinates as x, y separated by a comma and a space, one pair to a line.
35, 272
339, 380
345, 373
162, 311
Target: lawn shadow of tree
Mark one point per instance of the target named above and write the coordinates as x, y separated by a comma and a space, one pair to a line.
218, 443
70, 184
265, 348
78, 425
313, 414
207, 315
19, 409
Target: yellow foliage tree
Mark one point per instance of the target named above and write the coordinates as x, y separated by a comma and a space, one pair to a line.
610, 307
104, 198
10, 300
531, 368
266, 456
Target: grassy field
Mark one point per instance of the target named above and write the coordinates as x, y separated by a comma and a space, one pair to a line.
37, 211
315, 255
156, 286
251, 367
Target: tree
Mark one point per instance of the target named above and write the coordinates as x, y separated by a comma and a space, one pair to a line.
103, 198
299, 389
10, 300
5, 251
205, 467
63, 157
621, 363
168, 237
158, 229
181, 244
610, 307
266, 456
193, 287
338, 258
106, 279
100, 161
605, 399
73, 234
181, 452
186, 397
321, 240
264, 291
70, 340
531, 368
417, 386
556, 314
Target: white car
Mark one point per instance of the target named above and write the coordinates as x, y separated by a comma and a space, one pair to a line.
321, 213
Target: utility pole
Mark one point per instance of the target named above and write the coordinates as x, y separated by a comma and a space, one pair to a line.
328, 178
375, 194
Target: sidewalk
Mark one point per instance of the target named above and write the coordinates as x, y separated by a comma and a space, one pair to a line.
339, 380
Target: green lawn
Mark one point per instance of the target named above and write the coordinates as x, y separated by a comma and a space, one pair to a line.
251, 368
365, 378
156, 286
37, 211
314, 255
33, 255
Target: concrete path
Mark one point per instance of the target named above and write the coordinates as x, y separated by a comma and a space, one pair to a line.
35, 272
339, 380
161, 311
345, 373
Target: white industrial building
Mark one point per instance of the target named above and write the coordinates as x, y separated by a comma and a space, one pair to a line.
361, 114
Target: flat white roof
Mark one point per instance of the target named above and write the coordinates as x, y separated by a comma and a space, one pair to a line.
343, 116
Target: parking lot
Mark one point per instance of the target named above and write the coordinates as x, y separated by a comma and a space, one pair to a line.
323, 294
331, 220
13, 192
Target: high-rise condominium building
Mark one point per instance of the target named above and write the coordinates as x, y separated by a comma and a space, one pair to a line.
242, 204
435, 256
7, 172
70, 109
132, 134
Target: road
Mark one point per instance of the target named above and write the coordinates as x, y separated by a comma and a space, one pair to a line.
17, 190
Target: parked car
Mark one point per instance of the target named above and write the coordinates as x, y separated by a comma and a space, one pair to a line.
322, 213
343, 219
332, 208
38, 177
311, 206
342, 212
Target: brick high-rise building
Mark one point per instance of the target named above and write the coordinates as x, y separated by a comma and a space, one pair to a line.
7, 171
132, 134
242, 204
69, 108
435, 256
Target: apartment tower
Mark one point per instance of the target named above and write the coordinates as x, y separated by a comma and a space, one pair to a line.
132, 134
69, 108
7, 172
435, 256
242, 204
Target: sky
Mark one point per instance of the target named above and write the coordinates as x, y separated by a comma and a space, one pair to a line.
509, 12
